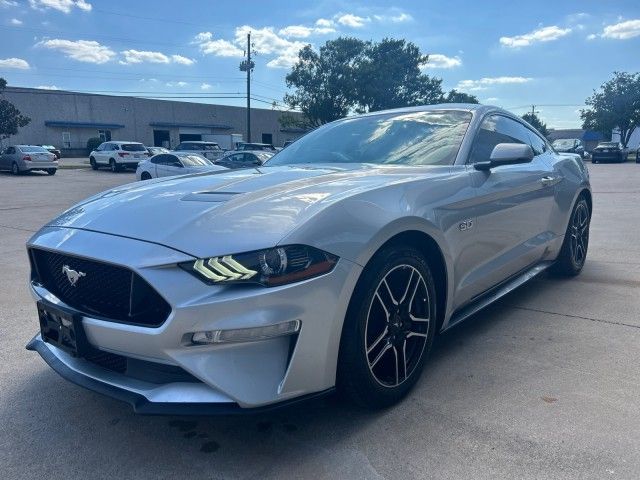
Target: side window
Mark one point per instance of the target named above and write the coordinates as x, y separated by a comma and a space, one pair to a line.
180, 147
238, 157
114, 147
496, 129
157, 159
173, 161
538, 145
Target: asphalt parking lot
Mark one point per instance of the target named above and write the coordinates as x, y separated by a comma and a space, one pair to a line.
543, 384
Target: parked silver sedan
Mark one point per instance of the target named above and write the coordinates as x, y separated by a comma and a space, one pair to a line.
170, 164
334, 265
25, 158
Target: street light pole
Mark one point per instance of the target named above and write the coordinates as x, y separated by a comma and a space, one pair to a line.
247, 66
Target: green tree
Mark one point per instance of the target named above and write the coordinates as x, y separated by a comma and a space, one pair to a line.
455, 96
349, 75
10, 117
389, 76
535, 121
325, 82
615, 106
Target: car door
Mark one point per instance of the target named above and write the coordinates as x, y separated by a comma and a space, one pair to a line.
512, 207
168, 166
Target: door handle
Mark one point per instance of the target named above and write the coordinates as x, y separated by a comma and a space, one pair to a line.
546, 181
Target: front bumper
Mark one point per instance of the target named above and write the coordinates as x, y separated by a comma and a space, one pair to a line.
229, 376
139, 398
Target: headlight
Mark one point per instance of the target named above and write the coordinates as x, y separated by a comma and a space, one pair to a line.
270, 267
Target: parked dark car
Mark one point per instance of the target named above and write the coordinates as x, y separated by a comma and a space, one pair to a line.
609, 152
53, 150
569, 145
256, 146
638, 155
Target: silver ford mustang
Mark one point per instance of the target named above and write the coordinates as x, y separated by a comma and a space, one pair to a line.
334, 265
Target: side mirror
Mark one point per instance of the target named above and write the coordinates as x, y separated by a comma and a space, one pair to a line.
507, 154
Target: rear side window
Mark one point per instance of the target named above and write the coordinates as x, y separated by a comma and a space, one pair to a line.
33, 149
497, 129
133, 147
210, 146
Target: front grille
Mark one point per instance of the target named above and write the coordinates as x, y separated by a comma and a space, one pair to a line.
107, 291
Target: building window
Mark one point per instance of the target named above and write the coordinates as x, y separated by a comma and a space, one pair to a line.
66, 140
105, 135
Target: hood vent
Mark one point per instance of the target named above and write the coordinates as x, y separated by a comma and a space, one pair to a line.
210, 196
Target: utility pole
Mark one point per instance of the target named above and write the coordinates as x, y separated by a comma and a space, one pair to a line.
247, 66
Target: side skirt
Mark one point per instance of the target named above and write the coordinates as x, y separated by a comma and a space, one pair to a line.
487, 298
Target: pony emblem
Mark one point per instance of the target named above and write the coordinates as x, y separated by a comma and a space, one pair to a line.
72, 275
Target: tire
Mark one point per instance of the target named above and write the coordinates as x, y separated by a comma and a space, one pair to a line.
593, 160
145, 176
374, 344
573, 252
94, 165
113, 166
15, 170
52, 171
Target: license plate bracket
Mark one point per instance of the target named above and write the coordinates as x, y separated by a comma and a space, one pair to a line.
62, 329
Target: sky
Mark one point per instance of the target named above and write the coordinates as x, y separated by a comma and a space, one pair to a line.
514, 54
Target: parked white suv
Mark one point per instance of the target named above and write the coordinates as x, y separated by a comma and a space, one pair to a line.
210, 150
118, 155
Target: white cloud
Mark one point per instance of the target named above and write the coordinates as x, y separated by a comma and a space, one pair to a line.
544, 34
15, 21
47, 87
64, 6
8, 3
298, 31
301, 31
399, 18
182, 60
266, 41
88, 51
591, 36
219, 48
492, 99
205, 86
486, 82
437, 60
142, 56
17, 63
176, 84
622, 30
351, 20
324, 23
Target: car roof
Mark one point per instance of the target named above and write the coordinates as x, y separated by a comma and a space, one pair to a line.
199, 141
120, 142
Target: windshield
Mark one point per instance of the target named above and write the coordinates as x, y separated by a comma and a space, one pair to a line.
33, 149
411, 138
194, 161
608, 144
564, 143
48, 146
133, 147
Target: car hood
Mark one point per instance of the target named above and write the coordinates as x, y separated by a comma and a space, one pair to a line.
217, 213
